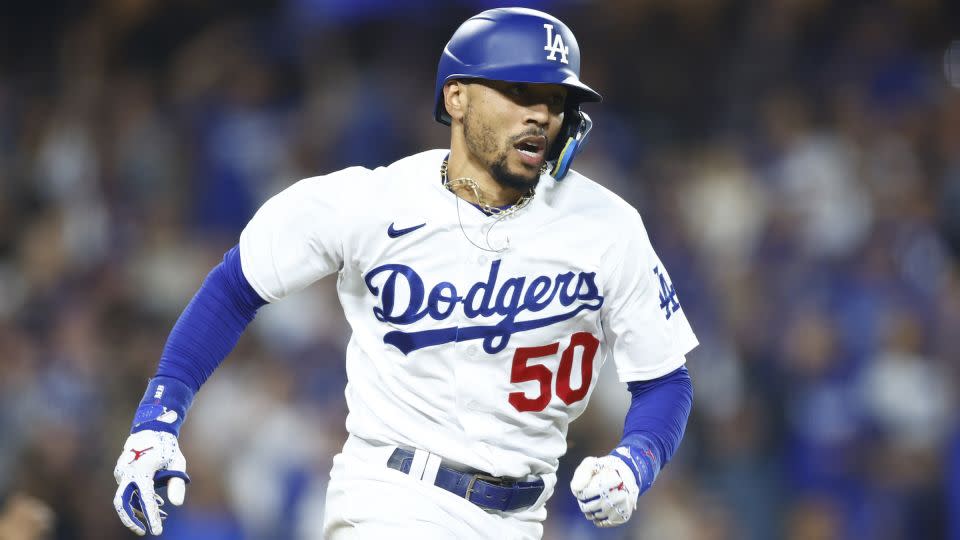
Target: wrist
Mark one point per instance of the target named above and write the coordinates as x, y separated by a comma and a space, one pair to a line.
635, 451
163, 407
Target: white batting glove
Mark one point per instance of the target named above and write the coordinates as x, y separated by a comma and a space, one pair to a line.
606, 490
150, 460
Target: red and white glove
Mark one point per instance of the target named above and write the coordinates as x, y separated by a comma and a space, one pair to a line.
150, 460
606, 490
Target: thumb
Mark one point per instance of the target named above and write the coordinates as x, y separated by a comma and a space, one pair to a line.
176, 490
177, 486
584, 473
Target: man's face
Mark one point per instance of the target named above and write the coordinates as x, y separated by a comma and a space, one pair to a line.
509, 127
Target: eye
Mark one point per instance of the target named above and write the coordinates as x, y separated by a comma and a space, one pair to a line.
517, 90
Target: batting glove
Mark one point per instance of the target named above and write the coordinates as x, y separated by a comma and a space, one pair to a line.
606, 490
150, 460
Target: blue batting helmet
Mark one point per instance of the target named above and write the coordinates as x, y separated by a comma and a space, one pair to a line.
527, 46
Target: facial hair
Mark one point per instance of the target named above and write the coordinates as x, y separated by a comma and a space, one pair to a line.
481, 142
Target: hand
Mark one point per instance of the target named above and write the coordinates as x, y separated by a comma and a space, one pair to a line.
606, 490
150, 460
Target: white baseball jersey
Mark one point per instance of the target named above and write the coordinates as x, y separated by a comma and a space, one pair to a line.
482, 355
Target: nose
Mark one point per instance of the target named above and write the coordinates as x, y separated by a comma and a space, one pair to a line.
538, 113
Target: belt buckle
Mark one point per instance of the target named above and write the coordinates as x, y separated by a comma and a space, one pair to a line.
491, 479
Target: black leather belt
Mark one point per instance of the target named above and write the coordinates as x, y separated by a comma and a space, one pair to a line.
488, 492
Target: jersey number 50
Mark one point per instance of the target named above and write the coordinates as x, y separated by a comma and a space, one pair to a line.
521, 372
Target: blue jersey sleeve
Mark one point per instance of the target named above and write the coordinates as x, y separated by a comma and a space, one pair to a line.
655, 424
205, 333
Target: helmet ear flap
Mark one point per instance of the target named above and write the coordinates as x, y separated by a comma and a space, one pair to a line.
573, 136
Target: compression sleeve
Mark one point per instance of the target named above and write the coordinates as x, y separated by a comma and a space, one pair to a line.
205, 333
655, 424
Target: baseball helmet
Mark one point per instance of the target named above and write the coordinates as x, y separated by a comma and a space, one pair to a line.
525, 46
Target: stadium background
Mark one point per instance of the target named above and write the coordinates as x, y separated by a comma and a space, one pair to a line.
797, 163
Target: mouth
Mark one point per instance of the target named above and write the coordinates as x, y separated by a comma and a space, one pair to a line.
532, 149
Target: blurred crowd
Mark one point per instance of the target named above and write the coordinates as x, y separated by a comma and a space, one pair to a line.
797, 163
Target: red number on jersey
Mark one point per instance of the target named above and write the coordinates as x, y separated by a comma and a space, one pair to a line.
521, 372
589, 345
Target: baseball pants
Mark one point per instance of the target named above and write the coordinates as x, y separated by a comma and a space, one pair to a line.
368, 500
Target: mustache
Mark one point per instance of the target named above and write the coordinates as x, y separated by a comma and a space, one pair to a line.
534, 132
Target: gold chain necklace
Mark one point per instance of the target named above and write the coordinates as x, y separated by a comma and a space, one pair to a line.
471, 184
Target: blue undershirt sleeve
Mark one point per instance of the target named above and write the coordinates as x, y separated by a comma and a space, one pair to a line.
655, 424
205, 333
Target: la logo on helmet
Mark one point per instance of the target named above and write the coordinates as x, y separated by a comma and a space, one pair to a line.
555, 45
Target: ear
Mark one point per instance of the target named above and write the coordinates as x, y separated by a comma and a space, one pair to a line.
455, 99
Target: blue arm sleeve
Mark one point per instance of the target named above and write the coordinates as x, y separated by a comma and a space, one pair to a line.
655, 424
205, 333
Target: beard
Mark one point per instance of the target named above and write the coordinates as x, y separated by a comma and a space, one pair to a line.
481, 142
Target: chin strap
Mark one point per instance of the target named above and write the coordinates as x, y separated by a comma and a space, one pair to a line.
572, 147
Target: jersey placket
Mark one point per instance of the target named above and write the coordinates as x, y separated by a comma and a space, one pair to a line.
478, 376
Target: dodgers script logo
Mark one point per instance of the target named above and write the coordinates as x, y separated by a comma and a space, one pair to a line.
513, 297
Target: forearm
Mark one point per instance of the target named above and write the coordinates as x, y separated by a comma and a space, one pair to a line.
655, 424
205, 333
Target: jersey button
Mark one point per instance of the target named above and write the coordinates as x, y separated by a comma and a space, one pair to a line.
472, 351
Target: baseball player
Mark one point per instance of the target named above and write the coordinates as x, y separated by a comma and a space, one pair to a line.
485, 285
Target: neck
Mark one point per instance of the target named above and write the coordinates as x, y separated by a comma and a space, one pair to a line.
459, 165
